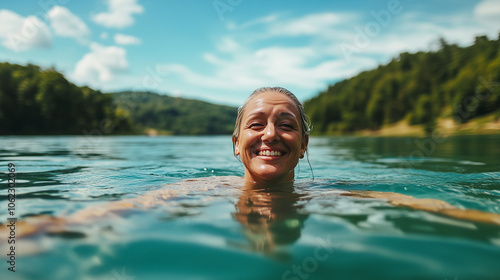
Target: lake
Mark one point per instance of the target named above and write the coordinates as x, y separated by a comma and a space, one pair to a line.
220, 231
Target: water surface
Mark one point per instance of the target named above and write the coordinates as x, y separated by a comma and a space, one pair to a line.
218, 230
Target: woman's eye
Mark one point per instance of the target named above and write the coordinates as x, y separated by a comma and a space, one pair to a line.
255, 125
287, 126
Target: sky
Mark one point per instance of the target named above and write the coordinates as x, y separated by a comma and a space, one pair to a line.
221, 50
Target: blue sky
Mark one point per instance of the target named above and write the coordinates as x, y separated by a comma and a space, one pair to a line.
221, 50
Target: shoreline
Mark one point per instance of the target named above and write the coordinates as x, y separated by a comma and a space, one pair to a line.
485, 125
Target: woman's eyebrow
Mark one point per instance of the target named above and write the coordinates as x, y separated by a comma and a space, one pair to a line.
256, 113
287, 114
253, 116
261, 113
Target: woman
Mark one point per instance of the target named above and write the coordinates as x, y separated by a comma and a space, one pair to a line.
271, 134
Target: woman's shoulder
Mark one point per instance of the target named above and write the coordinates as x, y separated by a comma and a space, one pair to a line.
224, 180
204, 183
194, 185
157, 197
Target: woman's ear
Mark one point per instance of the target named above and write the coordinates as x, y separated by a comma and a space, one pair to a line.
303, 146
236, 148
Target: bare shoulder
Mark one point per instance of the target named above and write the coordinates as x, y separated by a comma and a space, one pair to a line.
206, 182
156, 197
114, 209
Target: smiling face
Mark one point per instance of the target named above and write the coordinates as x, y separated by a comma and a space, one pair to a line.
270, 140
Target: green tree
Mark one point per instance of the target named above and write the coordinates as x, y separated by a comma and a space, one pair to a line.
418, 87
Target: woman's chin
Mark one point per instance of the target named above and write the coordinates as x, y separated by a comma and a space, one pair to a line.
272, 174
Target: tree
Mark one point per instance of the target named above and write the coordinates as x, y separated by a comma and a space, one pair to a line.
417, 87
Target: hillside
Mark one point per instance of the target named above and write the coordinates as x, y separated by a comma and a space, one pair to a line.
36, 101
42, 101
172, 115
449, 87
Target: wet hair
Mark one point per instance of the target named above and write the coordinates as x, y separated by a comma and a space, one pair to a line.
304, 119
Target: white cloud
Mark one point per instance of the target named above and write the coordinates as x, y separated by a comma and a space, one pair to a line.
104, 35
228, 44
19, 33
67, 24
120, 13
100, 65
488, 12
263, 20
409, 33
248, 69
313, 24
122, 39
244, 62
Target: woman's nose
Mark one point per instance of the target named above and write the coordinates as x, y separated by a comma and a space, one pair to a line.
270, 133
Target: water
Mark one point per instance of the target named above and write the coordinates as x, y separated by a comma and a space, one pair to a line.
218, 230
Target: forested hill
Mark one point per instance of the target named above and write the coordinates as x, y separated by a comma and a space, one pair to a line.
458, 83
173, 115
42, 101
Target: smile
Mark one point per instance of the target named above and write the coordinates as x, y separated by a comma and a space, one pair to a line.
269, 153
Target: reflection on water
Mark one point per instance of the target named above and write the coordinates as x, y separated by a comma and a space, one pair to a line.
462, 154
270, 216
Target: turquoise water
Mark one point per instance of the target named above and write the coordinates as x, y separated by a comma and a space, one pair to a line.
220, 231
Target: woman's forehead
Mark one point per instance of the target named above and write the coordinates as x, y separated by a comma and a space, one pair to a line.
271, 100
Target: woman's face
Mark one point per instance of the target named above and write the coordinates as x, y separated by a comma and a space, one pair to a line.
270, 138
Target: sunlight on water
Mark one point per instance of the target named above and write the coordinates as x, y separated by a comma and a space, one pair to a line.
215, 229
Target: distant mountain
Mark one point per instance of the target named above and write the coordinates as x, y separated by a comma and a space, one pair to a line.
423, 88
173, 115
42, 101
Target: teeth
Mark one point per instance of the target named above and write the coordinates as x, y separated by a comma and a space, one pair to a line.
270, 153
